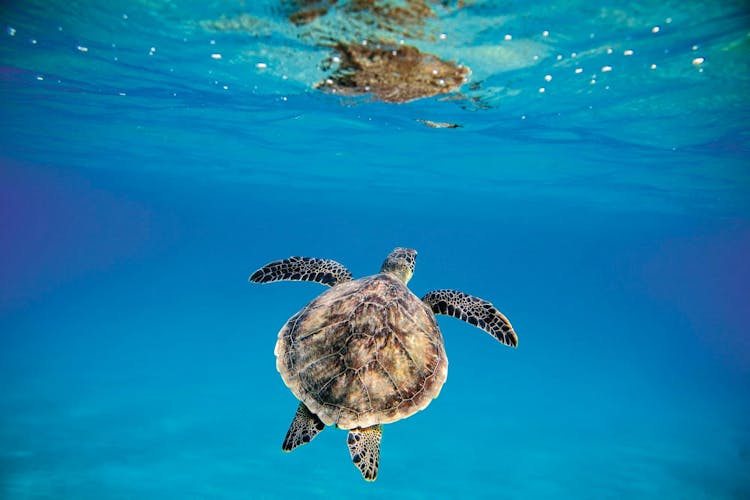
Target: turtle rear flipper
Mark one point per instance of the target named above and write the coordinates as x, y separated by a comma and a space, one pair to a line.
364, 448
325, 271
473, 310
304, 428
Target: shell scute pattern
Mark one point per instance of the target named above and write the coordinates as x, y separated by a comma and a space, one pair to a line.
365, 352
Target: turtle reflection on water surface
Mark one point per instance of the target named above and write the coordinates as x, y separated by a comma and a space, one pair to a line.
393, 74
372, 44
367, 352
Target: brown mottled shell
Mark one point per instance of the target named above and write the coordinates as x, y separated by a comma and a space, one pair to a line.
364, 352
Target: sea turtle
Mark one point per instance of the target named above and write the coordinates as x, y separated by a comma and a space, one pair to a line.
367, 352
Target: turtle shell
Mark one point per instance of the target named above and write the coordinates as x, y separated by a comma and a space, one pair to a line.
364, 352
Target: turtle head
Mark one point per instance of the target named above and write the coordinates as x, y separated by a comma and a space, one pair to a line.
400, 263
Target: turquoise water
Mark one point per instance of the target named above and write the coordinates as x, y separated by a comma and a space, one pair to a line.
142, 180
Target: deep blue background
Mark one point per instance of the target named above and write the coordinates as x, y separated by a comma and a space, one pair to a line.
137, 362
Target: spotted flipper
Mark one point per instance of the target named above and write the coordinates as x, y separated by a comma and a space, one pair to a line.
473, 310
327, 272
304, 428
364, 447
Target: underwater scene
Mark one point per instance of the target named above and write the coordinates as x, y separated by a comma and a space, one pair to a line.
521, 241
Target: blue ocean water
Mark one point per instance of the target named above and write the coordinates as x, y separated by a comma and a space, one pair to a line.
149, 162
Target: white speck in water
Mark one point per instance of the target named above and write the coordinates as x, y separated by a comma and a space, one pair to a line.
11, 31
698, 61
628, 52
151, 51
700, 70
40, 78
609, 50
606, 69
125, 17
212, 42
115, 59
593, 81
216, 56
653, 66
33, 41
261, 65
284, 77
82, 48
443, 36
541, 90
579, 70
545, 33
284, 98
592, 35
548, 78
364, 42
536, 58
655, 29
401, 42
573, 55
337, 59
694, 47
122, 93
226, 87
668, 20
606, 87
523, 117
508, 37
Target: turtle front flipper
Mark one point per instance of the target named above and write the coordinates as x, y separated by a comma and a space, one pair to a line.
364, 448
473, 310
327, 272
304, 428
